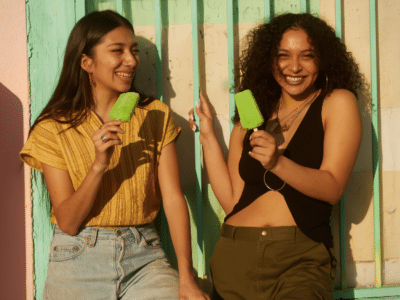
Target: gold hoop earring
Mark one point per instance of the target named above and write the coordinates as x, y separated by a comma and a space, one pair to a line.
269, 92
326, 82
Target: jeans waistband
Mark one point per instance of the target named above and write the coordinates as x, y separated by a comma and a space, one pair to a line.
92, 234
263, 233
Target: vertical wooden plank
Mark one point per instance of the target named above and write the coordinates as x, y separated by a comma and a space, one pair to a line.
231, 59
199, 188
268, 9
119, 7
158, 42
304, 6
342, 203
80, 9
375, 143
50, 22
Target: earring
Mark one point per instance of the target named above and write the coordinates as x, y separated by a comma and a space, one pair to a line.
326, 82
91, 80
269, 92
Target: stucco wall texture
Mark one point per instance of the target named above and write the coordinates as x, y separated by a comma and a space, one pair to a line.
14, 125
178, 94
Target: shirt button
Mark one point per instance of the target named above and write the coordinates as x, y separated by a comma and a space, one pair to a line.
264, 233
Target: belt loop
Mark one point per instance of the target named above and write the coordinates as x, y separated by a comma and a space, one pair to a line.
136, 233
234, 228
93, 237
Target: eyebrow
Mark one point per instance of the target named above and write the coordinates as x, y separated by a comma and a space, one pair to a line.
122, 44
305, 50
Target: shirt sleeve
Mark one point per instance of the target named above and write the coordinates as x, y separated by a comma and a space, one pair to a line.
172, 130
43, 146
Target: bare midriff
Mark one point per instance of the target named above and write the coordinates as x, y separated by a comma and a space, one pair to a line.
268, 210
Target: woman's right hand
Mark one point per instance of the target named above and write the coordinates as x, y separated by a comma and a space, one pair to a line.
104, 140
206, 120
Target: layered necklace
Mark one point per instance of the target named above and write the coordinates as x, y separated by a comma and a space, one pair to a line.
278, 125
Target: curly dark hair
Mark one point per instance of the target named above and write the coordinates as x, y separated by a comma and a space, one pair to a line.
258, 59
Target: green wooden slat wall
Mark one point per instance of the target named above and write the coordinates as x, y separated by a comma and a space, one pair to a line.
49, 23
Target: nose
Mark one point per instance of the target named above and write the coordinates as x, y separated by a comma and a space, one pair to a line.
131, 59
295, 65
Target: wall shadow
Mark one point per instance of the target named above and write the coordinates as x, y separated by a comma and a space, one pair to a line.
12, 204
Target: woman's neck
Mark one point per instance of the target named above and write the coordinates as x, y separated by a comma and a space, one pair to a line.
103, 102
287, 102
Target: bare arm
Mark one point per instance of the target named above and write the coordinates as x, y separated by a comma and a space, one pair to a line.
72, 207
224, 177
178, 220
343, 129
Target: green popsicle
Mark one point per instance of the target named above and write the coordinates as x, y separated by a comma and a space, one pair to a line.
249, 113
124, 107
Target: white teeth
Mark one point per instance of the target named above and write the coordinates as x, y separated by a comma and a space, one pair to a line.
125, 75
294, 79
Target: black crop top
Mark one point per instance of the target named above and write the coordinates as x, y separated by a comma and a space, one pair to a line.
305, 148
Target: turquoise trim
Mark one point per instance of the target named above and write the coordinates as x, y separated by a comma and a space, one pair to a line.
119, 7
197, 146
304, 6
158, 43
368, 293
269, 9
80, 9
342, 203
375, 143
231, 59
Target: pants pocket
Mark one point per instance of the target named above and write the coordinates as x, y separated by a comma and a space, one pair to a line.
149, 236
65, 247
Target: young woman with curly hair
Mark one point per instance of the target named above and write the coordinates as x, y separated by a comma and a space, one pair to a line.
105, 178
280, 182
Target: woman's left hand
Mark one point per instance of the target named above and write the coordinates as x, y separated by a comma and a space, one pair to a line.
265, 149
190, 290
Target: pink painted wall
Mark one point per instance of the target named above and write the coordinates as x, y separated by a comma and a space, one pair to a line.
16, 270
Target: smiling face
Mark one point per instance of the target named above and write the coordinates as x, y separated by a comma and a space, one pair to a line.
114, 63
296, 65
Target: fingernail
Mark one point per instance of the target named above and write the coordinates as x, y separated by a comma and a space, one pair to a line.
250, 153
198, 104
194, 127
191, 117
250, 138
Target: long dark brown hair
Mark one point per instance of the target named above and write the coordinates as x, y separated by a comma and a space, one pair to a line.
72, 97
337, 67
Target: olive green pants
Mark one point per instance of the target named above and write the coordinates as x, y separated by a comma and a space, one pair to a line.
271, 263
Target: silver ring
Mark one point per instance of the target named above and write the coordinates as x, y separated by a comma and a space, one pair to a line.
100, 126
284, 183
103, 138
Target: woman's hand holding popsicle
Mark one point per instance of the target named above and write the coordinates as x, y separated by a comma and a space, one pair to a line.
265, 149
104, 140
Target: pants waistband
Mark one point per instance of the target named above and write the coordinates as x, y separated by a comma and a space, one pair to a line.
263, 233
92, 234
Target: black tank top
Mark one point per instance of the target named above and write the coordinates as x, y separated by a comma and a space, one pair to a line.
305, 148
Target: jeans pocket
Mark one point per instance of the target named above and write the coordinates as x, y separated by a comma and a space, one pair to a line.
65, 247
150, 237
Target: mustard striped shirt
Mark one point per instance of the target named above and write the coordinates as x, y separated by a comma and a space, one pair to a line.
129, 193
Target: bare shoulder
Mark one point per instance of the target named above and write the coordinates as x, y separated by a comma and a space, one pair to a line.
339, 104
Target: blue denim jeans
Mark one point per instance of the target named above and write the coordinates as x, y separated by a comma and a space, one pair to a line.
124, 263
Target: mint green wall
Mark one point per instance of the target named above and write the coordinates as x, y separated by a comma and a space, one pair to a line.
49, 23
211, 11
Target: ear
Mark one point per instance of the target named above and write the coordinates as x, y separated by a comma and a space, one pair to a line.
86, 63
